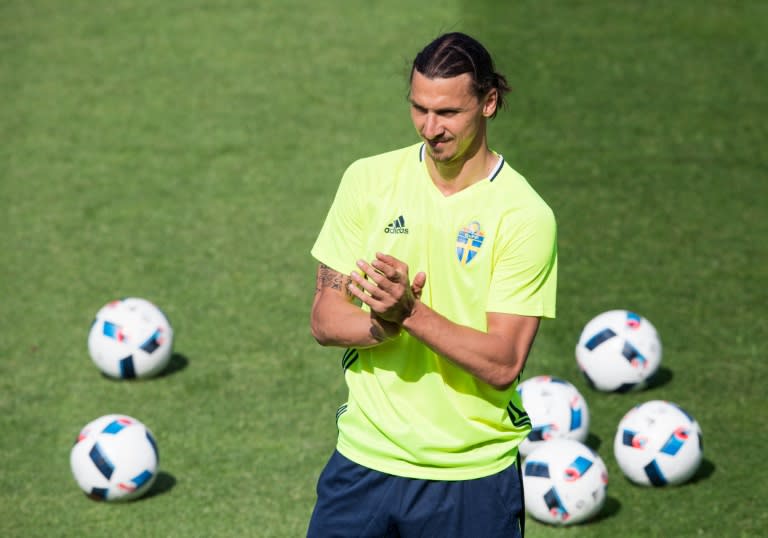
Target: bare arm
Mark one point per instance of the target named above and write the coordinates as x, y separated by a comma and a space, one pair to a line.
337, 321
496, 357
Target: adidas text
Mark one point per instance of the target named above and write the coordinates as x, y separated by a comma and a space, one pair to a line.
397, 226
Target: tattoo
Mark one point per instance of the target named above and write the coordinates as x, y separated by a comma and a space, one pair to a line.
377, 334
328, 278
382, 330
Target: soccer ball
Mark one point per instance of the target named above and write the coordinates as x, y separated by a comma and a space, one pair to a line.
114, 458
618, 351
557, 411
564, 482
658, 443
130, 338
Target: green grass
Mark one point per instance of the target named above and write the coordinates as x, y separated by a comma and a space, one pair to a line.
186, 152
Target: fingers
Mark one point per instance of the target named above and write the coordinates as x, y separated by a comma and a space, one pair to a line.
386, 258
394, 269
372, 272
384, 286
357, 292
371, 294
418, 283
386, 276
369, 286
381, 289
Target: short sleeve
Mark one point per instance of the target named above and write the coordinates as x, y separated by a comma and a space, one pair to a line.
340, 241
524, 279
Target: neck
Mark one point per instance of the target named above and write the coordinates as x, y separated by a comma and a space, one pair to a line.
453, 176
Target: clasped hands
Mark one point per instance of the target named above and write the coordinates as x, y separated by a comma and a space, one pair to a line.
386, 288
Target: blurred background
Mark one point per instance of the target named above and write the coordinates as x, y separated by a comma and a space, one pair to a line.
186, 152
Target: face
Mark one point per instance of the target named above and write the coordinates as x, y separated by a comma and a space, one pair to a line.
448, 115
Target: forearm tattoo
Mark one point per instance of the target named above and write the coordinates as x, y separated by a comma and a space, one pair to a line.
328, 278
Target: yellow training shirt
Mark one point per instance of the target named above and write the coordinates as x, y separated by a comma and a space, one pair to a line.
488, 248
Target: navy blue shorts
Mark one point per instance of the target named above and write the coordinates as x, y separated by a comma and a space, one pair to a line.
355, 501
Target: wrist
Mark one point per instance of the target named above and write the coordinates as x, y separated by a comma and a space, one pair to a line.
413, 314
383, 330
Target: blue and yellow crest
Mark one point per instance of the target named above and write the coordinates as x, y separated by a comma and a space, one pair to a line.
468, 242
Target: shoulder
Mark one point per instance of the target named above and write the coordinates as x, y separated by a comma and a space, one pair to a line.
373, 175
387, 160
515, 192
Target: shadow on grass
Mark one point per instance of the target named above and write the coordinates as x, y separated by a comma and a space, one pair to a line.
662, 377
164, 483
704, 472
593, 442
177, 363
611, 507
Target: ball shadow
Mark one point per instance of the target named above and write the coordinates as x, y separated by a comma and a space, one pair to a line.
177, 363
610, 508
663, 376
593, 442
164, 483
704, 472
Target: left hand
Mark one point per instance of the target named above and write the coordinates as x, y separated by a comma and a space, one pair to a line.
386, 287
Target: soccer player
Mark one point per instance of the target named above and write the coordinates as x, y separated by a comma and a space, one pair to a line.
436, 263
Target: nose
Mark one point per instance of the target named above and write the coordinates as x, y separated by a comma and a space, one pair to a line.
432, 128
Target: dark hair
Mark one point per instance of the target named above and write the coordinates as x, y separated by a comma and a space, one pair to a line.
454, 54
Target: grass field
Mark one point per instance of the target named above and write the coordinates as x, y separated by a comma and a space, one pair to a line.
186, 152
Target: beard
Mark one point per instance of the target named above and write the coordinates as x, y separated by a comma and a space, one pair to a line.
442, 153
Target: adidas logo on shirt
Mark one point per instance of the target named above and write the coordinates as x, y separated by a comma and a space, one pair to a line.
397, 226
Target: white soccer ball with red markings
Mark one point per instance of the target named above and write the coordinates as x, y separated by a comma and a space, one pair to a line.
114, 458
564, 482
658, 443
557, 411
618, 351
130, 338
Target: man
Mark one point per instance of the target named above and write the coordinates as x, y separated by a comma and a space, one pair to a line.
437, 262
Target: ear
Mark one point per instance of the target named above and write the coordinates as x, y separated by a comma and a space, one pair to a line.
491, 102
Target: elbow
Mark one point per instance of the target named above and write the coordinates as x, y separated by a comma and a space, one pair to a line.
507, 372
320, 336
504, 378
322, 332
502, 383
322, 340
316, 328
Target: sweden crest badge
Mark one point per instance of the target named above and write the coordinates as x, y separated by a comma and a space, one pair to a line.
468, 242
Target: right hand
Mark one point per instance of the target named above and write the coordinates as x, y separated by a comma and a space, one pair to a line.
382, 329
386, 288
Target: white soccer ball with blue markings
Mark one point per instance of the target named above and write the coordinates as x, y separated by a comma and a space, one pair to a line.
618, 351
658, 443
114, 458
564, 482
130, 338
557, 411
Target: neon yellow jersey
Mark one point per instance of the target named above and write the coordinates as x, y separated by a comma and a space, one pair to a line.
488, 248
